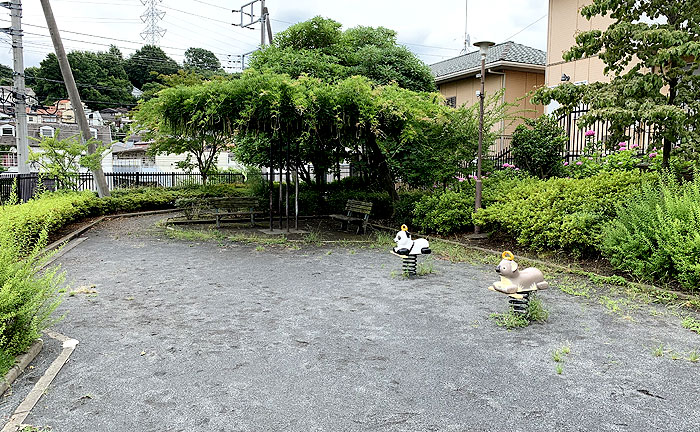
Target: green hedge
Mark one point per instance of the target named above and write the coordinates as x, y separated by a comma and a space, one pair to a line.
445, 212
559, 214
656, 234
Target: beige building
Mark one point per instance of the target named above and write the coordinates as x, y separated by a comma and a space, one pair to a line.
516, 68
565, 22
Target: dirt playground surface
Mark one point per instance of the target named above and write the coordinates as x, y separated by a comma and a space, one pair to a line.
213, 335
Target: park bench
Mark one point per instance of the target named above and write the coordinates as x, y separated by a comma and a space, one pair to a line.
219, 207
357, 213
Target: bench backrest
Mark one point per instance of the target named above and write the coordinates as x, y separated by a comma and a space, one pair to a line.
359, 207
232, 202
219, 202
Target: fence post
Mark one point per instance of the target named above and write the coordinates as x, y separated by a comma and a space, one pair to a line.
137, 179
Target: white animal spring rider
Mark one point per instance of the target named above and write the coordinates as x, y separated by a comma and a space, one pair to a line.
409, 249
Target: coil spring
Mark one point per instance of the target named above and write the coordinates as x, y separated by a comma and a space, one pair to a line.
410, 265
520, 305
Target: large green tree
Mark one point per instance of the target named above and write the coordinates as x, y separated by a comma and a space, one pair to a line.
201, 61
320, 48
652, 49
148, 64
102, 80
6, 77
389, 133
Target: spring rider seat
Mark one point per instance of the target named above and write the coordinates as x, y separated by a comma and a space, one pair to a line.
517, 284
409, 249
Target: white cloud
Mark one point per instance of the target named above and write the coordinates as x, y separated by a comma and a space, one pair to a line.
433, 30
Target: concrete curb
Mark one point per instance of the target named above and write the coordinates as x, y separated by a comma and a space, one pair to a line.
90, 225
71, 236
40, 387
20, 364
565, 269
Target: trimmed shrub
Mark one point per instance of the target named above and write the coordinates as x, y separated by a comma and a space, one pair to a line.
656, 235
537, 146
445, 213
404, 208
565, 214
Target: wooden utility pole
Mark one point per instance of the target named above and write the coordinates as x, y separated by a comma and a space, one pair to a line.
18, 90
73, 95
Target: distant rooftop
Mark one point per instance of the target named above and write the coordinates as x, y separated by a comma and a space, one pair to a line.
509, 52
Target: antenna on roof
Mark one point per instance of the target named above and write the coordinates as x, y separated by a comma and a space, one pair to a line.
467, 38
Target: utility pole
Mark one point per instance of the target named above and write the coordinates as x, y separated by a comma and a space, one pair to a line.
250, 18
19, 91
74, 96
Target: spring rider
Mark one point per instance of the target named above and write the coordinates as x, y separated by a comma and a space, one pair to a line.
409, 249
517, 284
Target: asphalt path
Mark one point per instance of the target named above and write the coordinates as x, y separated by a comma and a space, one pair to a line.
216, 336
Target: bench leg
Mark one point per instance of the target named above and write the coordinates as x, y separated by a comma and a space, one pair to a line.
344, 225
252, 219
218, 221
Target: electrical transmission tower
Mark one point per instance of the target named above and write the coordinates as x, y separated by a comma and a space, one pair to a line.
151, 17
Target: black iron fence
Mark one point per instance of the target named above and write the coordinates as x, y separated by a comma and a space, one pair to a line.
26, 185
500, 151
638, 136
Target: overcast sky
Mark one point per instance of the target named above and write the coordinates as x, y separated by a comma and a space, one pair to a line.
434, 30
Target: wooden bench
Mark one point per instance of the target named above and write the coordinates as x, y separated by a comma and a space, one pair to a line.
357, 213
219, 207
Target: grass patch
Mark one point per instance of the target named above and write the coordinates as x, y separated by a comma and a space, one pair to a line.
194, 235
658, 351
458, 254
426, 267
536, 312
559, 355
693, 356
381, 240
691, 324
574, 289
313, 238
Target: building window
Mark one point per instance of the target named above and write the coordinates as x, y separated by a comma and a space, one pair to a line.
93, 132
8, 131
46, 131
50, 120
451, 102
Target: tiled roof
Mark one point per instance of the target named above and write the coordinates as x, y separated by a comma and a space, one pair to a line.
506, 51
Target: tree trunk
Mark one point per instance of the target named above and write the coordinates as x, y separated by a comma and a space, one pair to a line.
383, 172
667, 142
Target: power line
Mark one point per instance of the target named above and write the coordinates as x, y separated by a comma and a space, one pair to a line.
194, 14
99, 37
526, 27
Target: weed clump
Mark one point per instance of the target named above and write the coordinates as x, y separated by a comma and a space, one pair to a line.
536, 312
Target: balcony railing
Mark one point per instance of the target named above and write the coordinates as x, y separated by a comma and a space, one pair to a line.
8, 160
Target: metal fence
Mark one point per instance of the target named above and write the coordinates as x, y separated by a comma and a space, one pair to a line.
640, 135
26, 185
500, 151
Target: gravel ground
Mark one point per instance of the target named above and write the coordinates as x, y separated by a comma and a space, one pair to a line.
187, 336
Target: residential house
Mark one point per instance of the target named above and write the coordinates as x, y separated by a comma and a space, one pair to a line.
514, 68
118, 119
36, 131
132, 156
565, 22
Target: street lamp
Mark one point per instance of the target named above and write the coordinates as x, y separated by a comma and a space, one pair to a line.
483, 50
